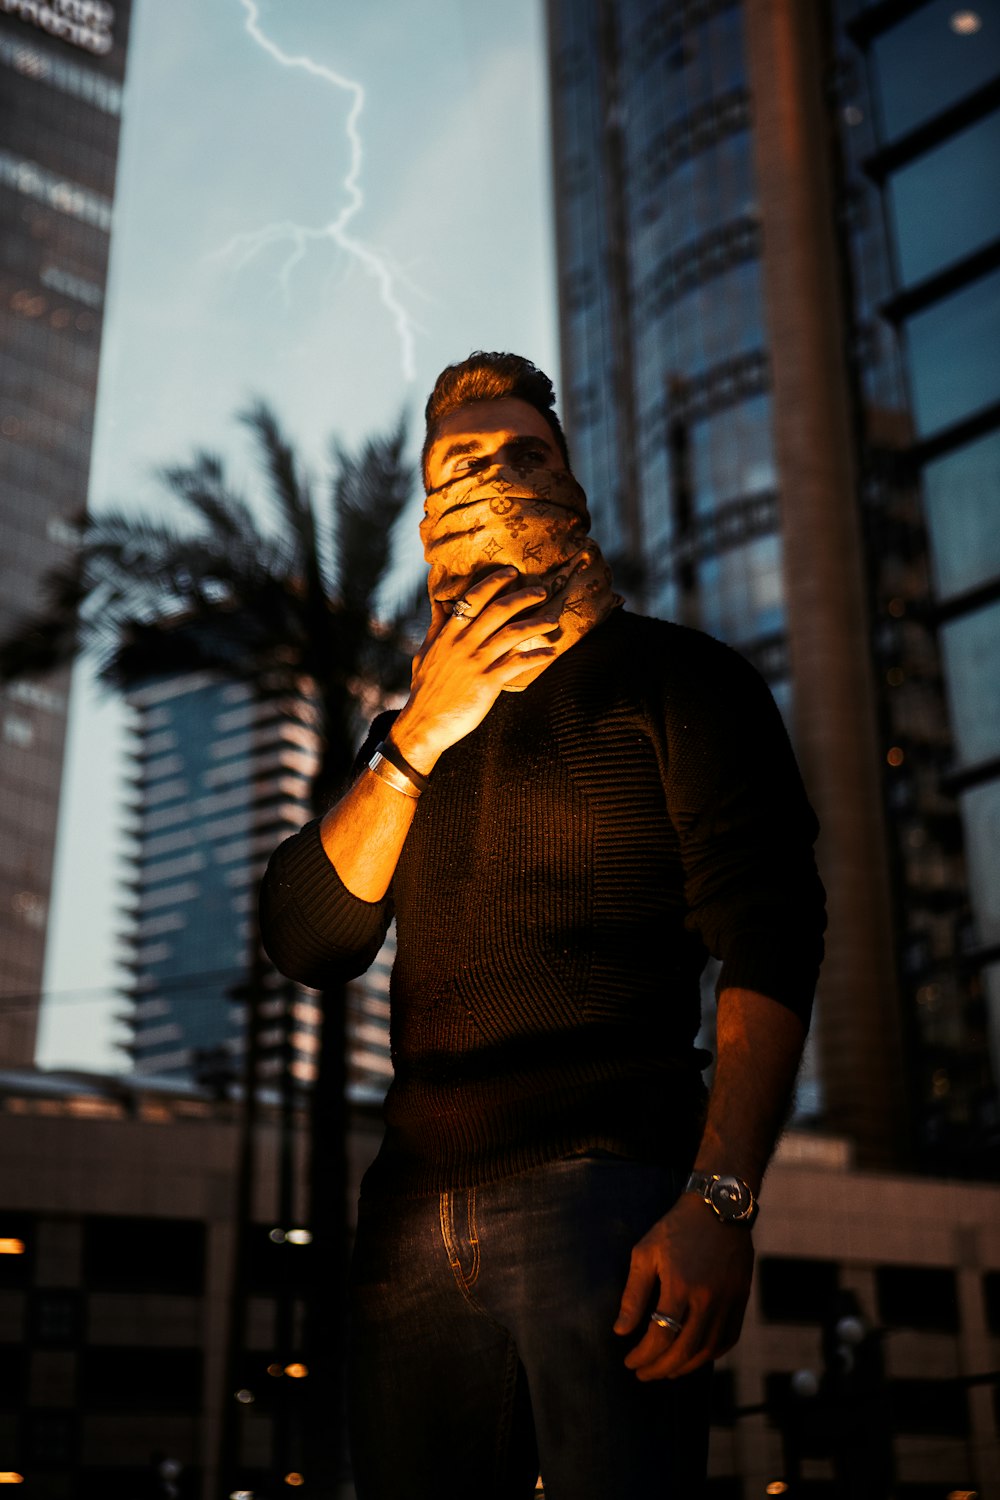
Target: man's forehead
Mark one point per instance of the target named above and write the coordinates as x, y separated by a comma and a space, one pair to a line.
481, 421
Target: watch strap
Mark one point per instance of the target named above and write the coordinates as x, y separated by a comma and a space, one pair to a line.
702, 1182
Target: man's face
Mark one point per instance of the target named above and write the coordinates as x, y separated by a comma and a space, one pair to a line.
506, 431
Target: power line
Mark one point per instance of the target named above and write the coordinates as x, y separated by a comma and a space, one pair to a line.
13, 1000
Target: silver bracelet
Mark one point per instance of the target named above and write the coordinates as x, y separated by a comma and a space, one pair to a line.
392, 775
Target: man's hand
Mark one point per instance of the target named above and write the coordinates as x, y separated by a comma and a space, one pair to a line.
696, 1269
466, 661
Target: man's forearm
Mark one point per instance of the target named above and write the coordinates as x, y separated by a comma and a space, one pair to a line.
758, 1049
363, 835
692, 1267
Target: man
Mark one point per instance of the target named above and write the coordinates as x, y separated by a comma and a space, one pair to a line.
573, 808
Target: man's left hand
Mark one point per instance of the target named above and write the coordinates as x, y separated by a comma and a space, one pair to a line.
696, 1269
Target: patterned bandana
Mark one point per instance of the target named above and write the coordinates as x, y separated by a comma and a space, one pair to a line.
533, 519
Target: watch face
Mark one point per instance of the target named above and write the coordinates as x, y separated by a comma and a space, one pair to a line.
730, 1198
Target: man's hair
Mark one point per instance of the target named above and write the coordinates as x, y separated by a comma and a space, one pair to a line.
490, 377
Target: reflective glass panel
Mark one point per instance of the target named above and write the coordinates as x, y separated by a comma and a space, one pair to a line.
947, 203
981, 815
971, 647
741, 591
927, 62
953, 355
962, 498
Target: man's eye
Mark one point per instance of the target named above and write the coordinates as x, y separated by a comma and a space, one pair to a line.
467, 465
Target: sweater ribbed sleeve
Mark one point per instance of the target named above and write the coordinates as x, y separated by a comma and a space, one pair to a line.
315, 931
746, 828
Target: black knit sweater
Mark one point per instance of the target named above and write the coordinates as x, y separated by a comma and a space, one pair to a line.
571, 865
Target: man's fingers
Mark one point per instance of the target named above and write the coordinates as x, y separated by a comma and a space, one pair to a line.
657, 1342
663, 1354
635, 1297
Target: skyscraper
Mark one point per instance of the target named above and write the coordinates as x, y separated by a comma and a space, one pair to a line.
61, 70
219, 774
918, 109
737, 404
222, 773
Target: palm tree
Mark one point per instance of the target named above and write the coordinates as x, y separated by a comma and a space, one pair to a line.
274, 605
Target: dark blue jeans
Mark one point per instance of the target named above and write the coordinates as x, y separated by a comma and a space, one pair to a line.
482, 1348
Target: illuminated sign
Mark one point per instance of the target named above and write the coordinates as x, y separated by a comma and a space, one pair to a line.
82, 23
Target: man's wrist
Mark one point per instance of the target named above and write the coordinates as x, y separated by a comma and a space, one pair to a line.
730, 1198
416, 750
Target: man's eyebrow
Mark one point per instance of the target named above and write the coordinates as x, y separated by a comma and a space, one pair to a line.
454, 450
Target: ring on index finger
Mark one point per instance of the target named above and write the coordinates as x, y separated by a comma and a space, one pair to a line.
664, 1320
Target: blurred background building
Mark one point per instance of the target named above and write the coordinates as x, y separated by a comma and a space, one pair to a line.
779, 293
117, 1223
61, 71
221, 773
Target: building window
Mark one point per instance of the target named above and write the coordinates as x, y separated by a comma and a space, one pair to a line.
917, 1297
953, 348
144, 1255
127, 1481
50, 1438
991, 1297
971, 648
17, 1250
13, 1376
55, 1317
123, 1379
939, 207
795, 1291
960, 495
924, 66
919, 1407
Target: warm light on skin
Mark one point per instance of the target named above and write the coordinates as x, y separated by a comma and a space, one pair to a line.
9, 1477
965, 23
297, 1372
12, 1247
777, 1487
490, 432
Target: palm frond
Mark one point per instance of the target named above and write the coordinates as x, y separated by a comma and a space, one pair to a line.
370, 490
288, 491
201, 485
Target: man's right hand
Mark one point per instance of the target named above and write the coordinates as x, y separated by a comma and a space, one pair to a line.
467, 660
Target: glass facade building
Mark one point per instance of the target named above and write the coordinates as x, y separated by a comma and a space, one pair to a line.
664, 347
918, 109
221, 775
61, 71
733, 180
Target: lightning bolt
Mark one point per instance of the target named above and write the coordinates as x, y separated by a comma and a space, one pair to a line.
242, 248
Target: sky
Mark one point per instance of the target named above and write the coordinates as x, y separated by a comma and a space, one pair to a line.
325, 233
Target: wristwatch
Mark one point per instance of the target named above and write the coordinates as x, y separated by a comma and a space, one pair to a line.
729, 1197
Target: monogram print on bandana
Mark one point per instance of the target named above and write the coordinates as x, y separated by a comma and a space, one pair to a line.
535, 517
